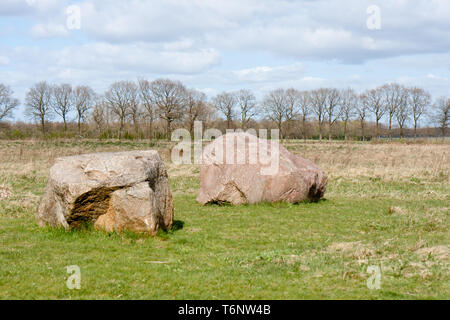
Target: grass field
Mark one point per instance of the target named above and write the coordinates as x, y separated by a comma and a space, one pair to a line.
386, 205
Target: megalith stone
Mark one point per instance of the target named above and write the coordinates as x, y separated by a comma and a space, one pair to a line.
114, 191
240, 168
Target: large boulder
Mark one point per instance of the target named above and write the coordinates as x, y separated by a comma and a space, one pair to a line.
114, 191
239, 168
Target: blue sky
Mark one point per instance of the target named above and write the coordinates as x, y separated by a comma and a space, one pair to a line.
216, 45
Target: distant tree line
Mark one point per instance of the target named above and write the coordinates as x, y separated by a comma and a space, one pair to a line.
153, 109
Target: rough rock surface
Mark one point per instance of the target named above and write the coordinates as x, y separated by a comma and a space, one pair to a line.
251, 177
115, 191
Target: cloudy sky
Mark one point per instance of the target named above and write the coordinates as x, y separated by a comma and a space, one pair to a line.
221, 45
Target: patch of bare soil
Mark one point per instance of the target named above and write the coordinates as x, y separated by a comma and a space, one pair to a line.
355, 249
5, 192
438, 252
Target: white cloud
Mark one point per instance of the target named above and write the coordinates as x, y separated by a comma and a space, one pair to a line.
14, 7
39, 8
44, 6
312, 29
4, 60
320, 30
49, 30
136, 57
265, 73
434, 77
211, 44
129, 60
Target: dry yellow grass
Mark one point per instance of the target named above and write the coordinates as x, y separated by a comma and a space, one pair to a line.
417, 163
385, 161
349, 160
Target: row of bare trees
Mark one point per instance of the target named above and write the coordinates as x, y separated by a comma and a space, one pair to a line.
124, 102
329, 105
43, 101
167, 100
134, 103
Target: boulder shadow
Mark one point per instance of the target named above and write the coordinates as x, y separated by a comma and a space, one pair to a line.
219, 204
177, 225
307, 201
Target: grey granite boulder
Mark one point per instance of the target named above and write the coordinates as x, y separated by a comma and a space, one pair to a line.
114, 191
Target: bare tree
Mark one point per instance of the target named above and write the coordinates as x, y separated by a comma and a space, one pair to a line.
146, 100
332, 108
292, 108
376, 105
246, 102
275, 106
304, 109
83, 100
403, 111
419, 100
225, 103
7, 102
38, 103
62, 101
134, 101
197, 108
349, 103
362, 109
169, 98
393, 99
118, 98
318, 102
98, 115
442, 114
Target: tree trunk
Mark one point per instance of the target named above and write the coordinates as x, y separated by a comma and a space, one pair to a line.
228, 122
320, 131
320, 128
279, 125
288, 130
169, 129
79, 125
150, 127
415, 130
362, 131
345, 130
136, 127
43, 125
329, 131
191, 128
304, 128
377, 132
121, 128
390, 128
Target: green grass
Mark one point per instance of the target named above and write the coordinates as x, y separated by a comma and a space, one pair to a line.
265, 251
